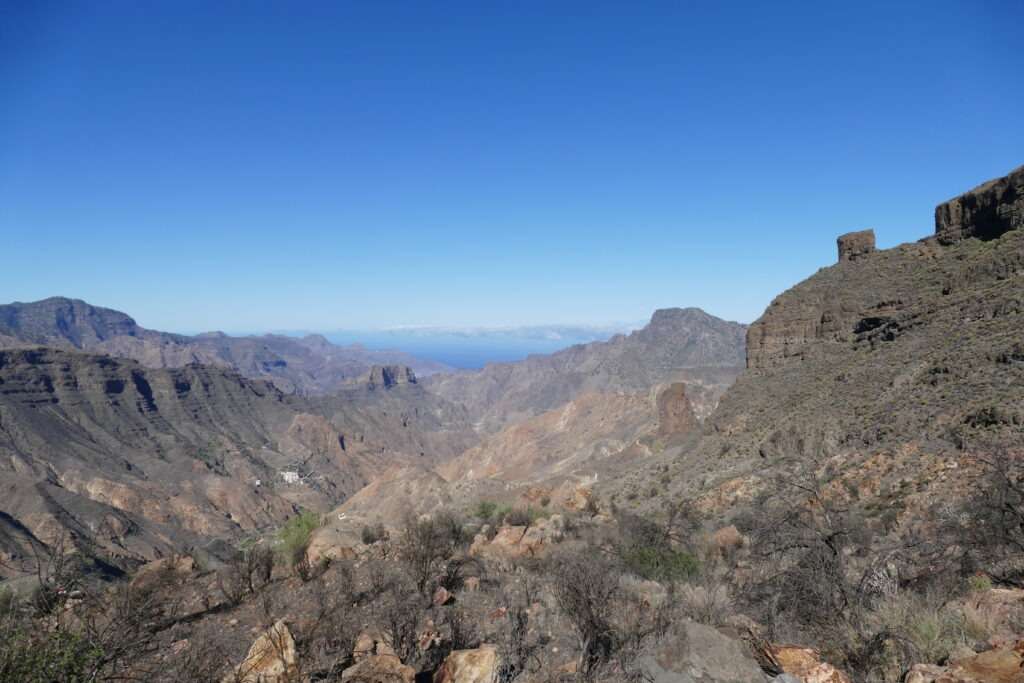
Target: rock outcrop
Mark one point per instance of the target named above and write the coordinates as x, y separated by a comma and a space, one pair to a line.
855, 245
388, 376
675, 414
910, 350
271, 659
986, 212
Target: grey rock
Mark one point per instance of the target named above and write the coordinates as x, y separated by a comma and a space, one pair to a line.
701, 654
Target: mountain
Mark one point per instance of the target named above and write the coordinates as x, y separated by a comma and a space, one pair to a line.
677, 345
307, 365
897, 366
134, 462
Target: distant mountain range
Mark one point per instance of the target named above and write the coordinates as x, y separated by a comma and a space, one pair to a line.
306, 365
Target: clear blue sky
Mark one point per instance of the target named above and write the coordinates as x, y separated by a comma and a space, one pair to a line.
252, 165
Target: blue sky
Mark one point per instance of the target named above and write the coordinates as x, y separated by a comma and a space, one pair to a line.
255, 166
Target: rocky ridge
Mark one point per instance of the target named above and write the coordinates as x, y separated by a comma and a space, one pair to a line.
307, 365
685, 345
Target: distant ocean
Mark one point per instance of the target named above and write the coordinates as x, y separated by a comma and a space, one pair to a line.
461, 350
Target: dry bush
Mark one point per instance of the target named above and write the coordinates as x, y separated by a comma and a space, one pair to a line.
517, 646
90, 633
325, 646
611, 624
397, 611
426, 545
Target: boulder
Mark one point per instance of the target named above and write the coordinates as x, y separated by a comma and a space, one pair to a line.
379, 669
855, 245
521, 541
469, 666
369, 644
999, 665
701, 654
271, 658
806, 663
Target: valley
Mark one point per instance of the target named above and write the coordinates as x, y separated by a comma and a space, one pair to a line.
721, 472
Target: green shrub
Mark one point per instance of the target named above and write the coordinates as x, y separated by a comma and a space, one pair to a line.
659, 564
485, 510
372, 534
523, 516
979, 583
293, 538
41, 657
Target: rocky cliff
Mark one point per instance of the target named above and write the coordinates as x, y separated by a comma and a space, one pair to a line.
986, 212
897, 361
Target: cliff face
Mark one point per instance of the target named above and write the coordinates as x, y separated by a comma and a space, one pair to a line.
873, 295
909, 342
986, 212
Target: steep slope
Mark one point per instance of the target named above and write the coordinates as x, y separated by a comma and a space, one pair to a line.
896, 364
573, 439
678, 344
308, 365
134, 461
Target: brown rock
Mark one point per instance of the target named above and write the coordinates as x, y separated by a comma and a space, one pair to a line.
728, 538
806, 663
469, 666
986, 212
442, 596
271, 658
379, 669
675, 414
1002, 665
471, 584
855, 245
